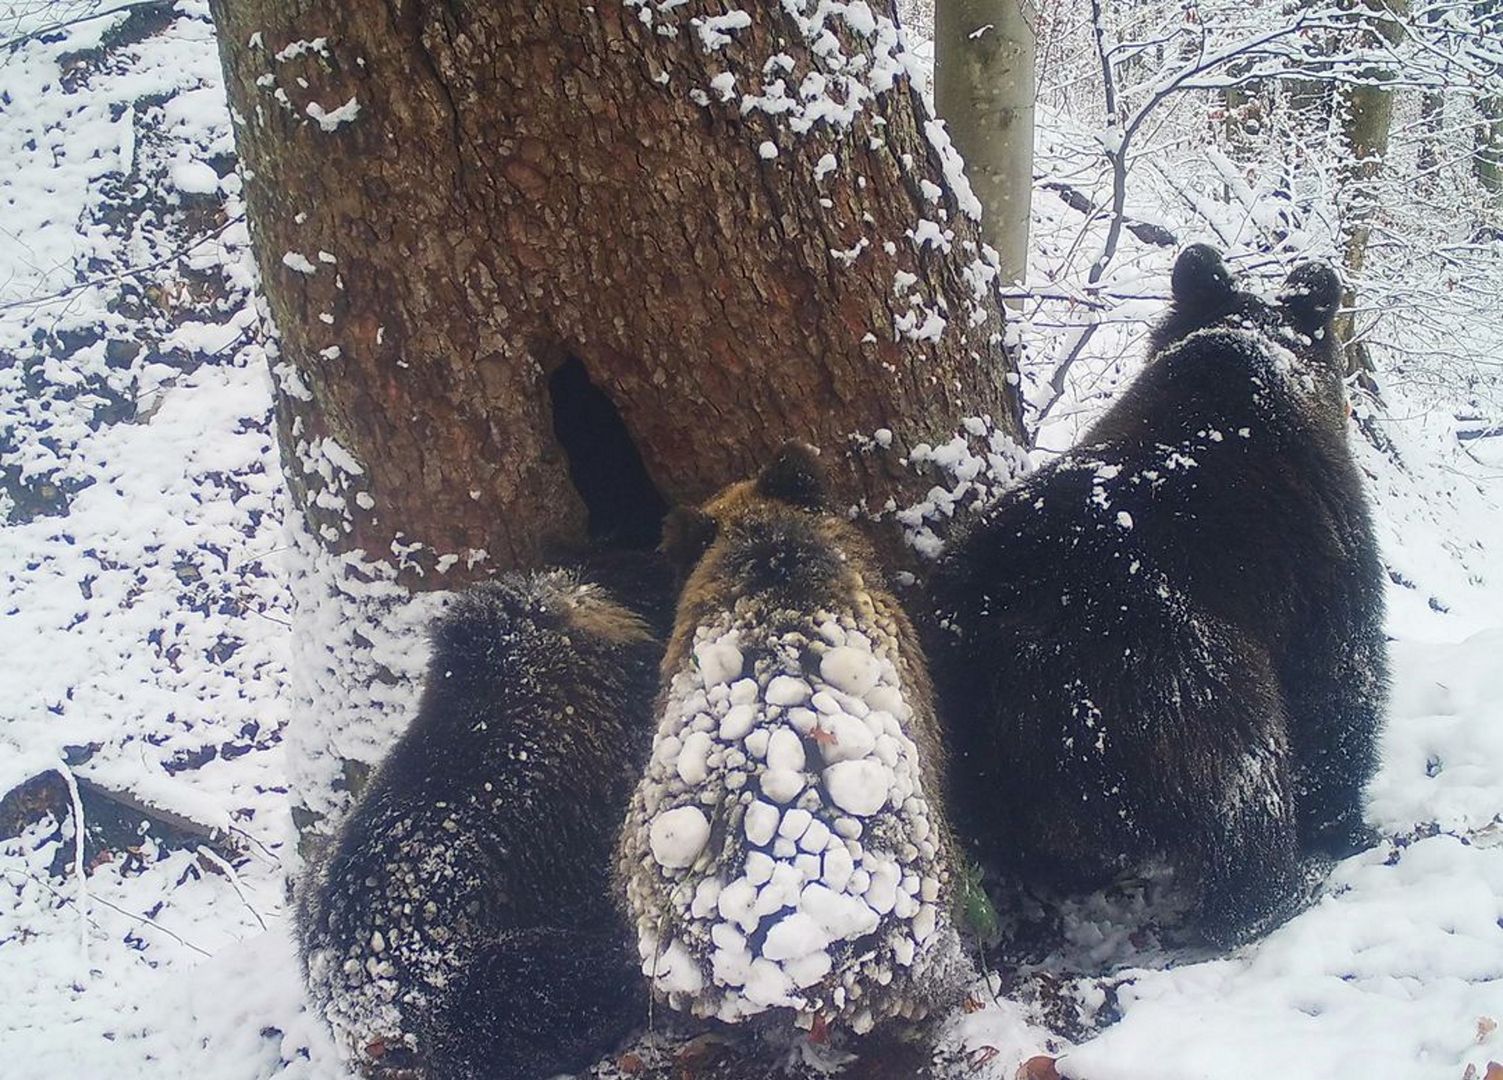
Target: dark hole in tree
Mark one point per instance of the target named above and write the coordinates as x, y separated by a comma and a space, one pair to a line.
625, 507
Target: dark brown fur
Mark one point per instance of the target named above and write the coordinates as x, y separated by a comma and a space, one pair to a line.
1169, 642
463, 927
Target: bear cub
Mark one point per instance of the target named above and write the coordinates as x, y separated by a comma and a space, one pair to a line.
463, 925
1168, 644
787, 854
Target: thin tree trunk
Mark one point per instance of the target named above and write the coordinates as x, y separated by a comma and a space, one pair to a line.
1366, 121
1242, 121
1432, 122
984, 90
539, 269
1487, 160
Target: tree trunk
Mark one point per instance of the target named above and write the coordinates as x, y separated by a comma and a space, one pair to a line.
1487, 160
1432, 121
984, 89
1366, 120
538, 269
1243, 125
1487, 151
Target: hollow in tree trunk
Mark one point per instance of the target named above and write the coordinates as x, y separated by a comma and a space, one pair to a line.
537, 270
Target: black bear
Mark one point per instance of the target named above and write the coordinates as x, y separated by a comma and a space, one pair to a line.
463, 924
1168, 643
787, 852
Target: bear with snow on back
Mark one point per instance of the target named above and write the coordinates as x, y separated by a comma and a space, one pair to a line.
787, 852
463, 925
1168, 644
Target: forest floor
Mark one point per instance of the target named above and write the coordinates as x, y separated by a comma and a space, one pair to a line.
145, 626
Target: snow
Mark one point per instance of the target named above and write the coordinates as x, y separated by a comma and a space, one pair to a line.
762, 824
785, 751
296, 260
693, 758
678, 836
852, 670
1395, 965
146, 617
859, 787
719, 661
719, 31
193, 177
332, 119
817, 838
737, 721
849, 738
782, 786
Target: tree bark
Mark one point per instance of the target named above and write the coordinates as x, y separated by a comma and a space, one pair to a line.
1242, 120
1487, 150
1366, 121
1432, 119
984, 89
536, 270
1487, 159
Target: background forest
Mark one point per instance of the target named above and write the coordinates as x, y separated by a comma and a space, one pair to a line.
214, 589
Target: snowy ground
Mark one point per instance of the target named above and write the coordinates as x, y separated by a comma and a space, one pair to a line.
144, 622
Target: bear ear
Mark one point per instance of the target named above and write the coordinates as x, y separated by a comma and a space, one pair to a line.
1201, 280
1311, 296
795, 477
688, 533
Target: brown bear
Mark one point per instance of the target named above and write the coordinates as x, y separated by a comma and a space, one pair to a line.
1169, 642
787, 851
463, 925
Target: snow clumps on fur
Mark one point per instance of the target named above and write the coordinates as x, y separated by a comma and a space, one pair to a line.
786, 847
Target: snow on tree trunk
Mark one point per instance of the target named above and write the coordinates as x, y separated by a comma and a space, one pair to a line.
1432, 122
537, 270
984, 88
1367, 118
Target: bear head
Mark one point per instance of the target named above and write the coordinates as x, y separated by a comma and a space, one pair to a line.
772, 538
1299, 318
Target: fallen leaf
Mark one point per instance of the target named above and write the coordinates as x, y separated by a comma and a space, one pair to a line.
1486, 1025
1494, 1071
981, 1055
693, 1055
1038, 1067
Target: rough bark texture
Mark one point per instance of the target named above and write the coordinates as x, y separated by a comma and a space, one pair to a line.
1487, 159
984, 88
537, 270
1366, 121
519, 186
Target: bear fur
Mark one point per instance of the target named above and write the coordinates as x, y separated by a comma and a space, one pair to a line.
787, 852
1168, 643
463, 924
